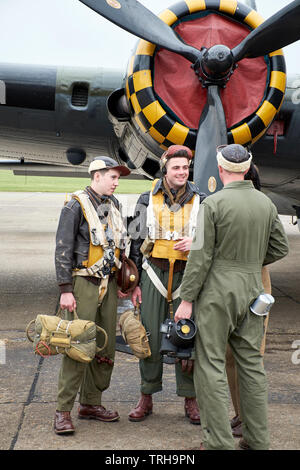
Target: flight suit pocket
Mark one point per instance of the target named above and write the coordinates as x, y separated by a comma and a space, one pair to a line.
255, 330
251, 330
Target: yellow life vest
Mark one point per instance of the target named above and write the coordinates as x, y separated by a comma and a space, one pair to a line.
166, 226
98, 241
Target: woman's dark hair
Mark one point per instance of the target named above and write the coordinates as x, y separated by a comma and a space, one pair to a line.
253, 175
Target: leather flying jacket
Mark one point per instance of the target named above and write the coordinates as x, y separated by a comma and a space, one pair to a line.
137, 227
73, 240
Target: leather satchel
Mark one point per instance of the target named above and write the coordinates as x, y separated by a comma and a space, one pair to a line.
134, 333
76, 338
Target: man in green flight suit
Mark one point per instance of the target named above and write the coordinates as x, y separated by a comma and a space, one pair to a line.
238, 232
165, 219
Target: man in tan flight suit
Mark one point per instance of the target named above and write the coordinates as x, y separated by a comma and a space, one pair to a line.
238, 232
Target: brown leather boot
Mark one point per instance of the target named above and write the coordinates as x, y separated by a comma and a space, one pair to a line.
97, 412
63, 423
191, 410
142, 409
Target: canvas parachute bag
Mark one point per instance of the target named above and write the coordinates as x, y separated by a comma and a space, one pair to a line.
134, 333
76, 338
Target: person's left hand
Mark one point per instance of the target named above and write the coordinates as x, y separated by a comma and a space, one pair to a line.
184, 311
184, 244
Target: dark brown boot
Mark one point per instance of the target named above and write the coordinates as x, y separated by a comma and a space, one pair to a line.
63, 423
97, 412
192, 410
142, 409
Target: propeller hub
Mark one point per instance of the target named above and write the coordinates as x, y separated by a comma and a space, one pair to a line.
217, 61
215, 66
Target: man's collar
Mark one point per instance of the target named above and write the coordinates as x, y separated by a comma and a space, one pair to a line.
159, 185
244, 184
99, 198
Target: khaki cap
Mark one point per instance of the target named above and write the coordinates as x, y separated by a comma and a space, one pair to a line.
107, 163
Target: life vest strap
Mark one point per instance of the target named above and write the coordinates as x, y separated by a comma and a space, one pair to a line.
157, 282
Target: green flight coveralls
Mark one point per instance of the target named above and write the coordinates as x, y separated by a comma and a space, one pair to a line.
154, 311
238, 231
92, 378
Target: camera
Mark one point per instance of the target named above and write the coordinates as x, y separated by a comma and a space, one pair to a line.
177, 338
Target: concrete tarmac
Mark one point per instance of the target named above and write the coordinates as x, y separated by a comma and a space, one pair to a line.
28, 223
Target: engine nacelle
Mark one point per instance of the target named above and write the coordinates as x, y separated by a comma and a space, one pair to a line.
165, 99
133, 152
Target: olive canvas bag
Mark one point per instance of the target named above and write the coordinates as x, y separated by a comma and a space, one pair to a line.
76, 338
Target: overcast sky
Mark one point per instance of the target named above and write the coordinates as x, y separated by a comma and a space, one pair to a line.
62, 32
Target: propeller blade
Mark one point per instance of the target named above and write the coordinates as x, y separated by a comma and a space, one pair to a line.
212, 132
279, 31
138, 20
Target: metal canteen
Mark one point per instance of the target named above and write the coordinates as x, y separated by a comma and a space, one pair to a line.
262, 305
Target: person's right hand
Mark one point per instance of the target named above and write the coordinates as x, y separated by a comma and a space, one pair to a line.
136, 295
67, 301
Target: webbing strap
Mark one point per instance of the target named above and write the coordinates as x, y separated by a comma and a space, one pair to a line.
157, 282
170, 283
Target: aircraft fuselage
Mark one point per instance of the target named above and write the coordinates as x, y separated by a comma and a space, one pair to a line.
45, 111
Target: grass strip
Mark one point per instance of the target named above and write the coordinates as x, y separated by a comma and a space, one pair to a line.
46, 184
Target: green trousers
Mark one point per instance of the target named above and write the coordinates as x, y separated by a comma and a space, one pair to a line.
154, 310
93, 378
214, 329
